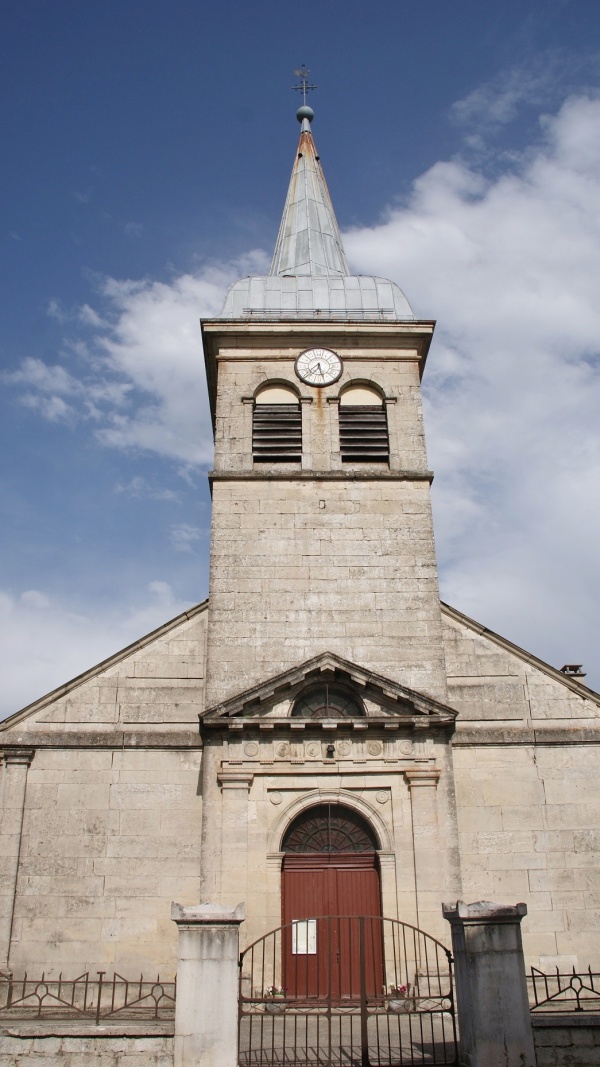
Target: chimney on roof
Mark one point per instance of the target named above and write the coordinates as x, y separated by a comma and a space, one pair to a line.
573, 670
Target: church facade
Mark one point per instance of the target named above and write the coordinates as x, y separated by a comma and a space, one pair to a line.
322, 734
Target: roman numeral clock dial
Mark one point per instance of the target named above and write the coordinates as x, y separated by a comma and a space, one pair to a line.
318, 366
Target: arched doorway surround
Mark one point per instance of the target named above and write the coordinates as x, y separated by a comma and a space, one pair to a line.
330, 868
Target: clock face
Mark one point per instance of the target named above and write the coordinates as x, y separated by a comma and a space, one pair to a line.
318, 366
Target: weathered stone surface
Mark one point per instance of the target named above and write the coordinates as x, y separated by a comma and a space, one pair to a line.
126, 1046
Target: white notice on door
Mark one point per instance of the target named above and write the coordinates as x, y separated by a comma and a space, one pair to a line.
304, 937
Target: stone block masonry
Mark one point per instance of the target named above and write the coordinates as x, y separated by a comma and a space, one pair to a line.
302, 567
56, 1046
567, 1040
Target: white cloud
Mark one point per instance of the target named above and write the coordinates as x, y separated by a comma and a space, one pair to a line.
138, 373
133, 229
139, 488
510, 269
45, 642
498, 101
544, 80
184, 536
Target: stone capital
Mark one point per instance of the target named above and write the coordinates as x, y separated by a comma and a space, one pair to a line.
18, 755
387, 859
207, 914
483, 911
235, 779
422, 777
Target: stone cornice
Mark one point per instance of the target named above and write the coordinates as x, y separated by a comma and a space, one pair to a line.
401, 330
112, 739
321, 476
552, 733
18, 755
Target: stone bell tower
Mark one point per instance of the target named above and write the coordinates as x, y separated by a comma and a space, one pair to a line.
322, 537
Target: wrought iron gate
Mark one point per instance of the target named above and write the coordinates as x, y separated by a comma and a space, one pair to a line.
346, 991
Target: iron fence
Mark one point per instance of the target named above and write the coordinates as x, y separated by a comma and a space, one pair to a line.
564, 992
93, 998
346, 990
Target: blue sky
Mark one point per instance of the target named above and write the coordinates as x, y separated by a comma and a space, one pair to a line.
147, 149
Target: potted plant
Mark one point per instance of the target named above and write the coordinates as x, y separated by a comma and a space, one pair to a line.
399, 998
275, 999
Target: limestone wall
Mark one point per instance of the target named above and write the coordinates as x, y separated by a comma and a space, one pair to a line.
300, 568
527, 761
528, 830
567, 1041
110, 838
242, 370
111, 822
24, 1047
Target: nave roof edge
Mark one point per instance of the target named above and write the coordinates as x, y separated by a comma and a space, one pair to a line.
521, 653
105, 664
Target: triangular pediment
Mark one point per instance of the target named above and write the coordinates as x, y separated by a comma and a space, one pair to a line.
387, 698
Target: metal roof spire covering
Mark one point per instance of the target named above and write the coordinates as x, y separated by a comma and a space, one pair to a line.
309, 240
309, 276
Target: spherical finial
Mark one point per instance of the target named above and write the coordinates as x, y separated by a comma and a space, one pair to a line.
305, 112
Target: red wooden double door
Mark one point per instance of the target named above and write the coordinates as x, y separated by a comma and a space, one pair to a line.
332, 942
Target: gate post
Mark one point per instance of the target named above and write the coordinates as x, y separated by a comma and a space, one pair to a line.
491, 989
206, 1005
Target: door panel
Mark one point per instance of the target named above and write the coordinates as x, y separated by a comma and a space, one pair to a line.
323, 959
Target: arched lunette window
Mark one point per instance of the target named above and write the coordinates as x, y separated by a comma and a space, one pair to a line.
327, 701
329, 828
363, 426
276, 425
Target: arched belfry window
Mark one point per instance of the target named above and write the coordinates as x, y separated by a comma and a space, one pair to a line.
329, 828
327, 701
276, 425
363, 426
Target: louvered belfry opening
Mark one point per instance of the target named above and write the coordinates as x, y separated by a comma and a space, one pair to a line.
363, 426
277, 426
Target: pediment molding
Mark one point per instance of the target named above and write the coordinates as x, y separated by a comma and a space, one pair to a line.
399, 703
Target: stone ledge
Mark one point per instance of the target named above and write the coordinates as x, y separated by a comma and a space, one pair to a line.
75, 1028
321, 476
131, 739
487, 733
567, 1019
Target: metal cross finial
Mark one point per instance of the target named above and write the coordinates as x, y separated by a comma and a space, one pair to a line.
304, 88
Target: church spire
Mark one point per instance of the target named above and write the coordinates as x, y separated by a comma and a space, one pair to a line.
309, 240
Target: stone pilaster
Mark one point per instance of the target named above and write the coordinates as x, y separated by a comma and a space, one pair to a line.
390, 404
235, 786
422, 782
16, 765
210, 871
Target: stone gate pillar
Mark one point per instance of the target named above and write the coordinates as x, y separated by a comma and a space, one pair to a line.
206, 1007
16, 765
491, 989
